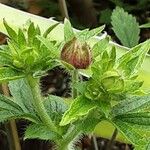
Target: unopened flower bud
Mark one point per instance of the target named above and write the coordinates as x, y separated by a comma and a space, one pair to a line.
77, 54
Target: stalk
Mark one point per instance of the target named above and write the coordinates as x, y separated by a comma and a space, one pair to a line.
38, 103
70, 135
75, 79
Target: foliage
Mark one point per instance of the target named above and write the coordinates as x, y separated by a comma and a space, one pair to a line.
112, 93
125, 27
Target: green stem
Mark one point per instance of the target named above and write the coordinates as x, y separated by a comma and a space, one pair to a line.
70, 135
75, 79
38, 103
68, 138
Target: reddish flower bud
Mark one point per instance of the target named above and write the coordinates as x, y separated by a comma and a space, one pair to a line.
77, 54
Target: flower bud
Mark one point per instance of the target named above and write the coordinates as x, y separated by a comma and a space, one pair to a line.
77, 54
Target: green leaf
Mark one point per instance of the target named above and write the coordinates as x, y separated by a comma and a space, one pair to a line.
39, 131
21, 39
12, 114
55, 107
139, 118
50, 29
8, 104
131, 61
86, 34
141, 147
88, 123
130, 133
125, 27
21, 92
100, 47
146, 25
51, 48
31, 33
68, 31
8, 74
80, 107
131, 104
81, 87
10, 31
5, 57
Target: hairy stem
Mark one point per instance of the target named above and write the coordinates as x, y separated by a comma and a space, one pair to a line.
110, 143
71, 134
11, 129
75, 79
38, 103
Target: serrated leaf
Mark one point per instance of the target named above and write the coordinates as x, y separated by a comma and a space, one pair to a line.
50, 29
39, 131
87, 34
68, 31
125, 27
132, 60
55, 107
139, 118
6, 115
5, 58
52, 49
10, 31
100, 47
130, 133
22, 95
131, 104
8, 104
8, 74
88, 123
80, 107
